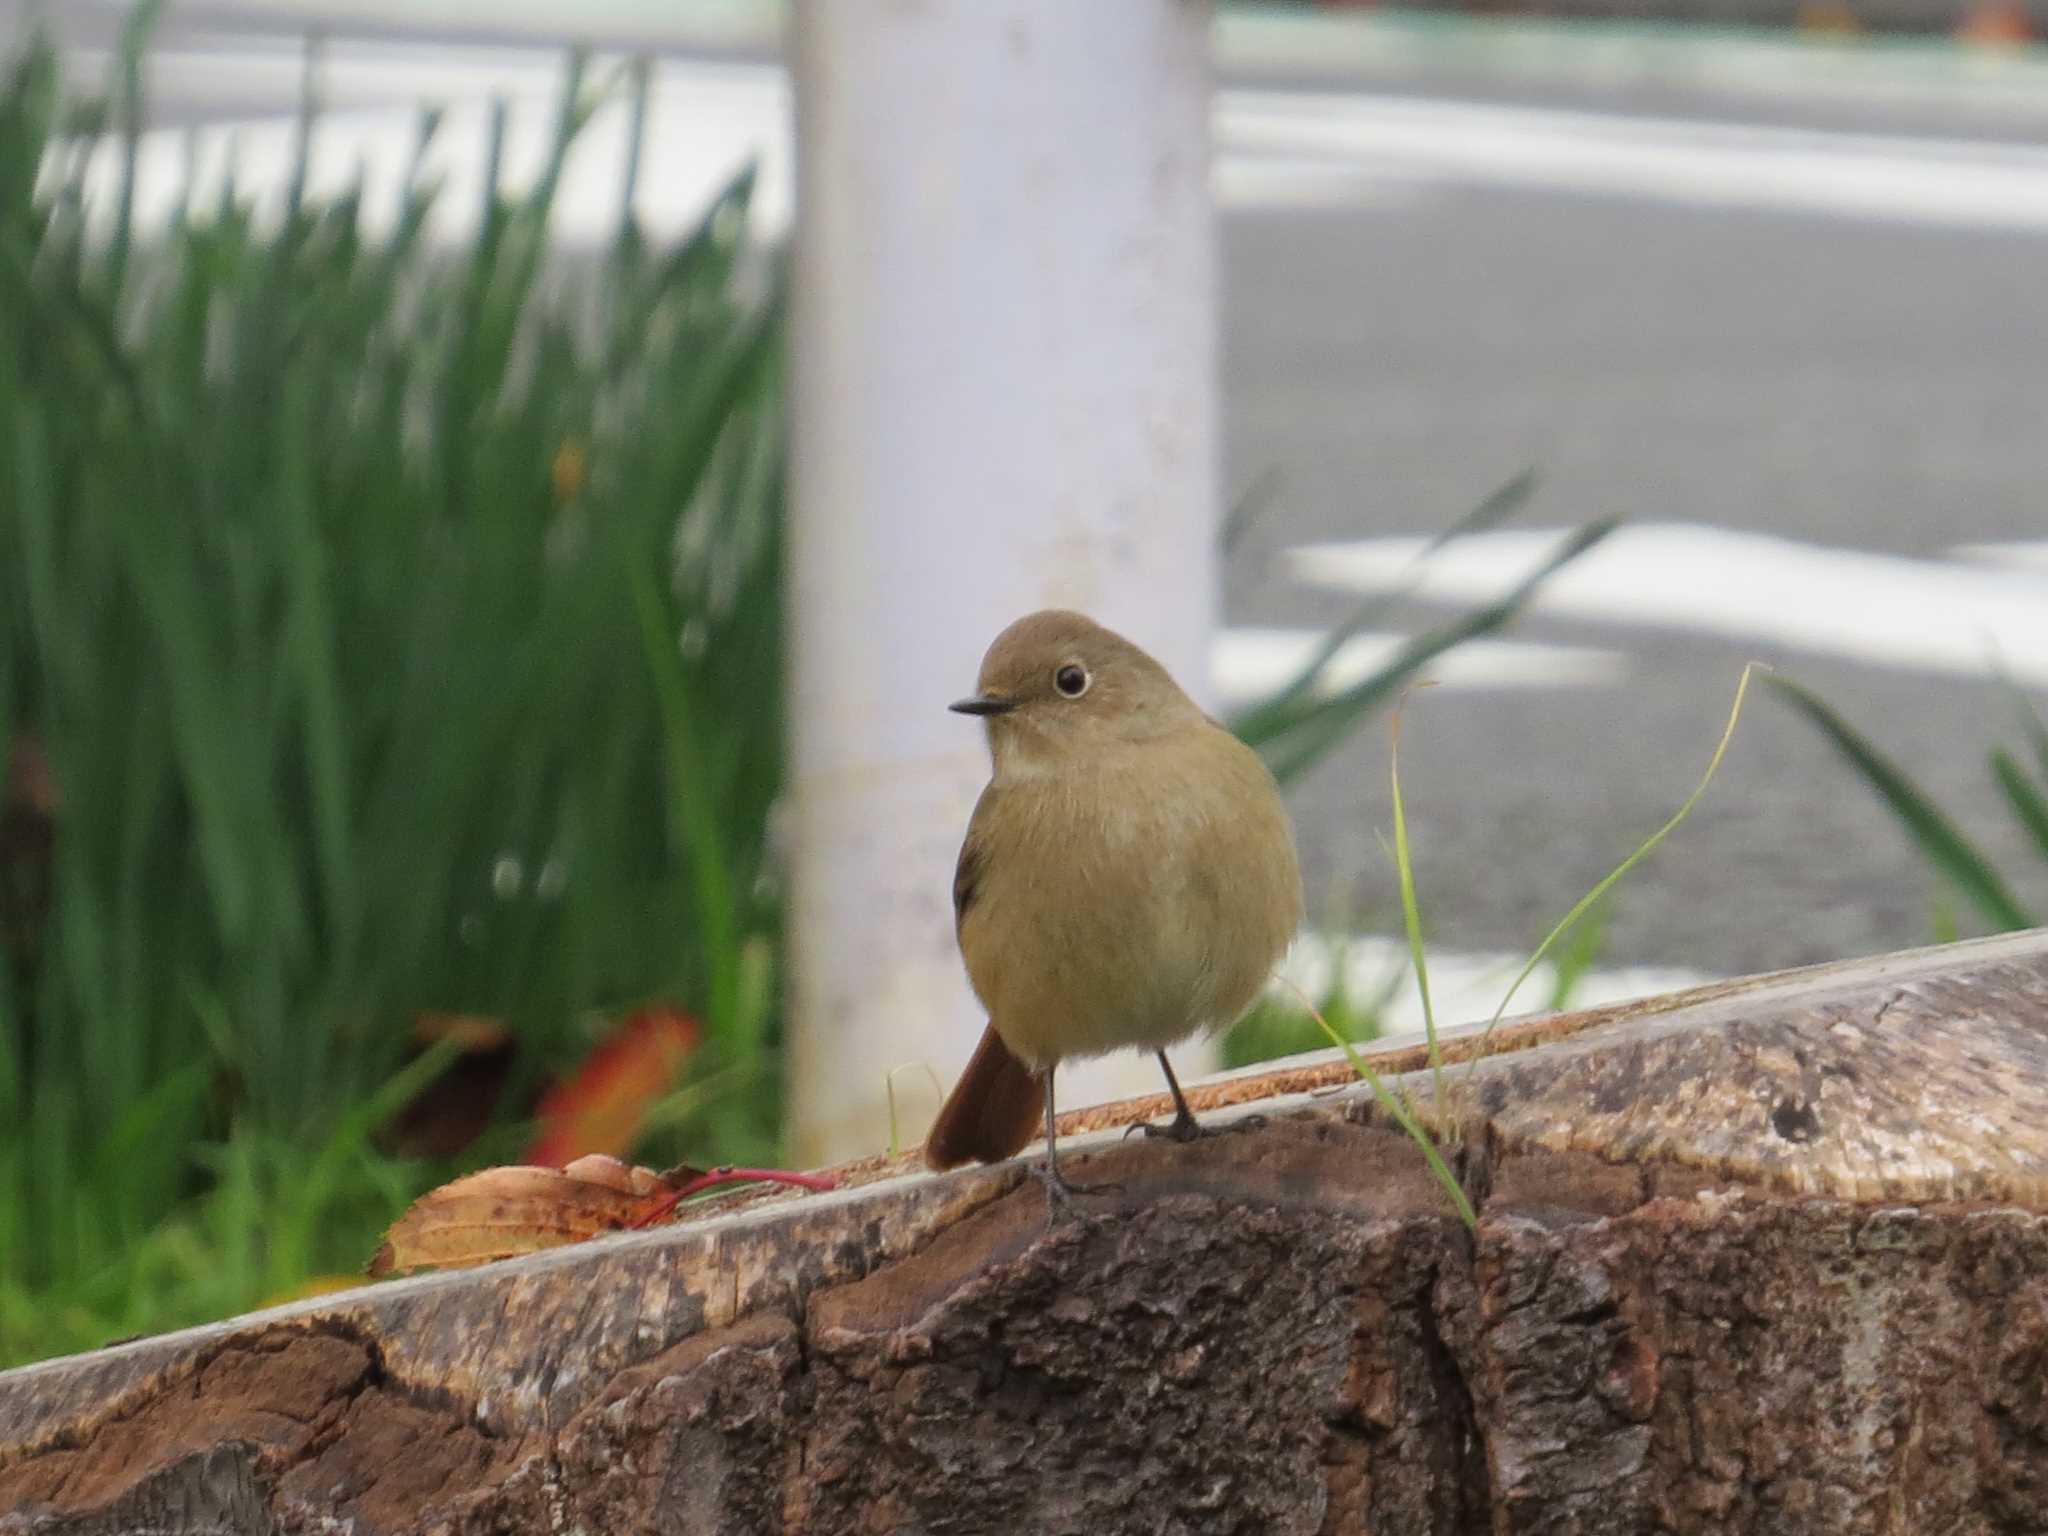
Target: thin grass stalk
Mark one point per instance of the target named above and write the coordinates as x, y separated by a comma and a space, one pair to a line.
1411, 910
1643, 850
1391, 1102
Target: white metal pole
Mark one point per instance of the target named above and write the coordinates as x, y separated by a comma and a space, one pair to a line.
1004, 364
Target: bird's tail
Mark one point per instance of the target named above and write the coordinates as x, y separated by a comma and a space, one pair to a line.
992, 1111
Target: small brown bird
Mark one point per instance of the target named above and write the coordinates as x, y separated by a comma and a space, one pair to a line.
1128, 879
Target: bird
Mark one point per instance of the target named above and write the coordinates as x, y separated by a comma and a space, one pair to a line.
1128, 879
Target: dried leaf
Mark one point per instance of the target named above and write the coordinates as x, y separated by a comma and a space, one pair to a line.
599, 1168
503, 1212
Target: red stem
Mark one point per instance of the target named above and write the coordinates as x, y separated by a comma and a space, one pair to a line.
818, 1183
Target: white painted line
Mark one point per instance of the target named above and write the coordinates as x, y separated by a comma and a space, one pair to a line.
1273, 149
1306, 183
1464, 988
243, 76
1951, 182
2016, 554
1915, 615
704, 124
1248, 664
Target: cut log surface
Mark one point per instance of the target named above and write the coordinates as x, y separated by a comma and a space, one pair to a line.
1771, 1256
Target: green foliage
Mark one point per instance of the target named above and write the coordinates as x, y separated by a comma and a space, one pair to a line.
1303, 722
1278, 1026
1577, 954
1961, 864
399, 639
1588, 914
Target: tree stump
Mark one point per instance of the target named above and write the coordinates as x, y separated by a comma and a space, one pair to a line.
1768, 1256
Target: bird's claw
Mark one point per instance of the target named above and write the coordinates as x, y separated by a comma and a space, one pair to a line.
1187, 1128
1181, 1128
1060, 1195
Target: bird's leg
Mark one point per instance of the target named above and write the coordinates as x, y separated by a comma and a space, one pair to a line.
1059, 1194
1184, 1126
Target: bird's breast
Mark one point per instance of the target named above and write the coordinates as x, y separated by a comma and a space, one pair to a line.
1131, 902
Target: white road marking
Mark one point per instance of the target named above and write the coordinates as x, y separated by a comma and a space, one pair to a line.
1248, 664
1914, 615
1278, 150
1953, 182
1464, 988
704, 124
2030, 554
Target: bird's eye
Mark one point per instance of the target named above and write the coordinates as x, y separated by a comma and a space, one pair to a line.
1071, 680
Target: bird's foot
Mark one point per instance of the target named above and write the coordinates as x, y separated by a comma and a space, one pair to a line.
1181, 1128
1060, 1195
1186, 1128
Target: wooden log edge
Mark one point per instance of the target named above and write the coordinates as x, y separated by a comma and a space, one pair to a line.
1768, 1254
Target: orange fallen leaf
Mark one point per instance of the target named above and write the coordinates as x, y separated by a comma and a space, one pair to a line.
501, 1213
604, 1104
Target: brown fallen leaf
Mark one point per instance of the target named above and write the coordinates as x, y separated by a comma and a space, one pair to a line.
500, 1213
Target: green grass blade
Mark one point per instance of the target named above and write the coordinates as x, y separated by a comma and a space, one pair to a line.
641, 91
1945, 847
1941, 919
1592, 898
2030, 722
693, 828
310, 637
1253, 504
2028, 803
1578, 956
1496, 509
135, 33
1391, 1103
1411, 910
1274, 715
1315, 729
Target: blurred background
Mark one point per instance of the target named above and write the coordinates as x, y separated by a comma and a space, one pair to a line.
493, 506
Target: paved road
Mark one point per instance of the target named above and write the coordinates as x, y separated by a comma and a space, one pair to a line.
1867, 383
1815, 320
1852, 384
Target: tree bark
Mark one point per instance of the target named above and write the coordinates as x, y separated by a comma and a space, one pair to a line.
1765, 1257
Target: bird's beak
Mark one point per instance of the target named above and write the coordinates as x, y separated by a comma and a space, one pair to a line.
983, 704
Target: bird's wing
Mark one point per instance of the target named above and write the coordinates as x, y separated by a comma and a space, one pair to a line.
972, 868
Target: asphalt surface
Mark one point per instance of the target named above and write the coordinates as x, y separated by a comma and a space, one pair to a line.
1851, 384
1865, 383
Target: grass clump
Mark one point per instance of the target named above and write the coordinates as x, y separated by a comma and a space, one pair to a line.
383, 632
1438, 1122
